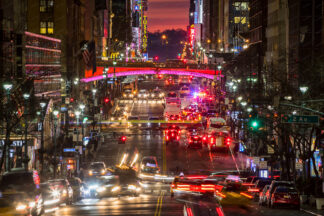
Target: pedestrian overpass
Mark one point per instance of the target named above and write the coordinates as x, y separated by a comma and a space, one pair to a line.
101, 73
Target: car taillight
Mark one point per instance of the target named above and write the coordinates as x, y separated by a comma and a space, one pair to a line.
178, 137
167, 137
166, 131
212, 140
254, 190
172, 134
219, 211
190, 140
204, 138
195, 137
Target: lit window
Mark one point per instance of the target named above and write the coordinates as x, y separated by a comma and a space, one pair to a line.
42, 27
42, 5
241, 20
241, 6
50, 28
50, 3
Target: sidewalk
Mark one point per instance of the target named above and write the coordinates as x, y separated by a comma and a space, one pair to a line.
311, 210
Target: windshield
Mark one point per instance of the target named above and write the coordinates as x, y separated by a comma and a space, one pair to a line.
97, 166
172, 95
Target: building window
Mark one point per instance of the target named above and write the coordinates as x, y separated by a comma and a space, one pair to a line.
43, 28
46, 5
50, 28
241, 6
42, 5
240, 20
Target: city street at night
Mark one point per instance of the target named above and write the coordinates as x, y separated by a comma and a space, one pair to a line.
161, 107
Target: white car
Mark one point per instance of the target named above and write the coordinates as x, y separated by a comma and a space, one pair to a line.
143, 93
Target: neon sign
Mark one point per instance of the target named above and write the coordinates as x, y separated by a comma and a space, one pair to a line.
192, 35
144, 42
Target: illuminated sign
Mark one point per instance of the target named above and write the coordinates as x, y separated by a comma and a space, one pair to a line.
144, 40
192, 35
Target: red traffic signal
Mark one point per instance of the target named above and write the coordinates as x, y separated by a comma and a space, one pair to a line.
71, 100
123, 138
228, 141
156, 58
106, 100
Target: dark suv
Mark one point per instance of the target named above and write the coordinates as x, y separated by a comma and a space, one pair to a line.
19, 181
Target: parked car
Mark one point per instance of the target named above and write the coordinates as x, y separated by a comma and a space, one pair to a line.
263, 195
273, 186
63, 187
23, 186
97, 169
283, 195
76, 185
258, 186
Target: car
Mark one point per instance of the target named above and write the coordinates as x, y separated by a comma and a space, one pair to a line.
63, 188
154, 125
126, 182
15, 204
169, 81
128, 93
97, 169
283, 195
263, 195
51, 197
273, 186
258, 186
172, 134
194, 140
76, 185
20, 183
184, 90
143, 94
149, 167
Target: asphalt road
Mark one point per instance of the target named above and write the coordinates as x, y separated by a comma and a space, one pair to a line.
155, 198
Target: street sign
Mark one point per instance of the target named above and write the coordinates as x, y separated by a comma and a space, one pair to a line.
256, 160
300, 119
299, 166
270, 149
263, 165
68, 150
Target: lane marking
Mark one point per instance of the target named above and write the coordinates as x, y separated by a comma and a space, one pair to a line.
158, 208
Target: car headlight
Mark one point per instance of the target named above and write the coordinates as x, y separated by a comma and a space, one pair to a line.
31, 204
100, 189
131, 187
93, 186
103, 172
21, 207
116, 188
112, 118
64, 192
124, 95
90, 172
55, 193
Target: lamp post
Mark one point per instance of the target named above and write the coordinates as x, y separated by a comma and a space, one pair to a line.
77, 114
25, 157
42, 105
55, 113
7, 87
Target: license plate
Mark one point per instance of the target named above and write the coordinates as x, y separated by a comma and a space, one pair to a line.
286, 197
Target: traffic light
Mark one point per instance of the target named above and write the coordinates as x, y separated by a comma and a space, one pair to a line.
156, 58
106, 100
71, 100
228, 141
255, 124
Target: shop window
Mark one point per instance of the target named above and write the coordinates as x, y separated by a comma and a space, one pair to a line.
42, 5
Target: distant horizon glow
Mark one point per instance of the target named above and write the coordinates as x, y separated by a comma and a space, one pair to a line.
167, 14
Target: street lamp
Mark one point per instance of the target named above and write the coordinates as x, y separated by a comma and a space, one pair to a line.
243, 103
7, 86
42, 105
55, 114
303, 89
82, 106
219, 67
249, 109
25, 158
239, 98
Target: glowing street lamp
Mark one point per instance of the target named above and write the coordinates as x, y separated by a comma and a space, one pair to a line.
7, 86
303, 89
239, 98
243, 103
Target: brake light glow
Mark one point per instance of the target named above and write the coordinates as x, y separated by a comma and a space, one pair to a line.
197, 177
183, 187
253, 190
207, 187
248, 184
204, 138
220, 194
167, 137
219, 211
178, 137
246, 195
189, 212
